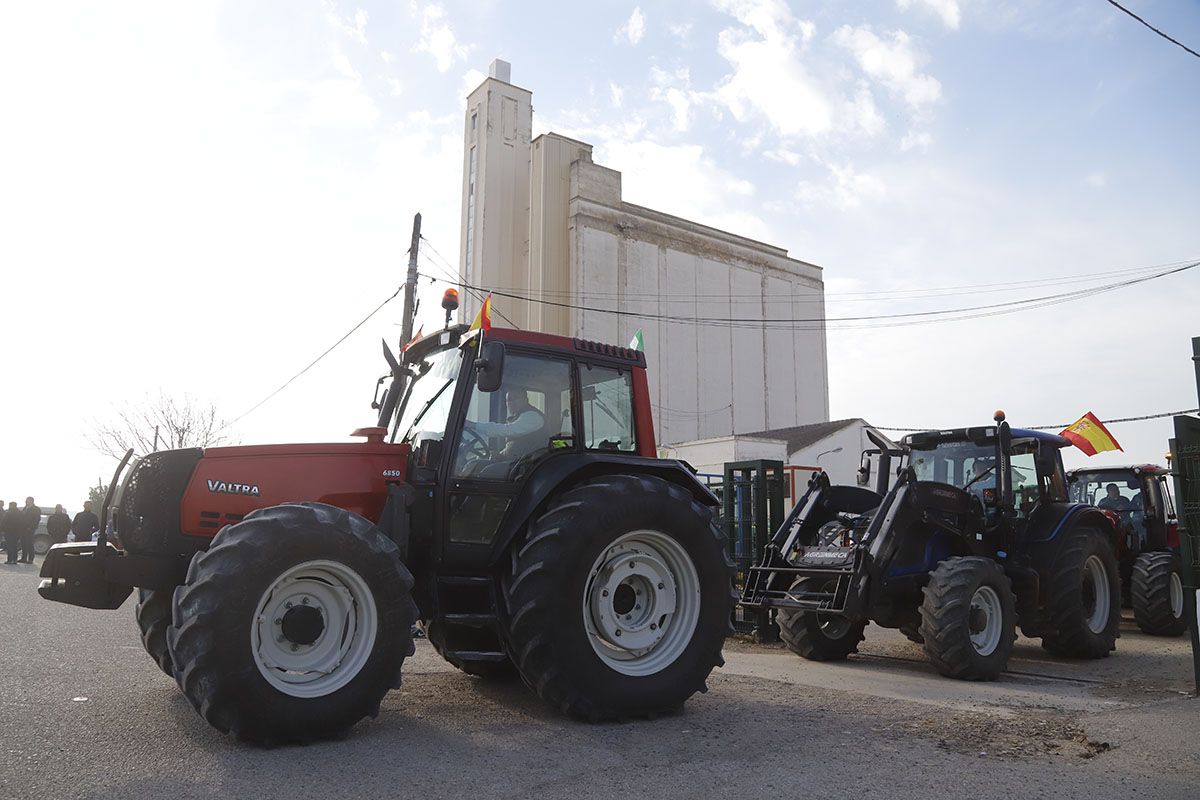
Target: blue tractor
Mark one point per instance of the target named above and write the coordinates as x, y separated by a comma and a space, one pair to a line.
977, 536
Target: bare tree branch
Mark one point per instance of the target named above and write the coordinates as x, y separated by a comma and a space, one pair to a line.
181, 422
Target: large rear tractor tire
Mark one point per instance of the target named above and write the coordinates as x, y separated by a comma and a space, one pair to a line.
1083, 597
969, 618
153, 614
816, 636
1158, 595
619, 598
293, 625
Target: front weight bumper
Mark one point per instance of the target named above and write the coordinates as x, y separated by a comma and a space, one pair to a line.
93, 575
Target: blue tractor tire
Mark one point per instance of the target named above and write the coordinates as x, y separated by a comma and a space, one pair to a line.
1082, 596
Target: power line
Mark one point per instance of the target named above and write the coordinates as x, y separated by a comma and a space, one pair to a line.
873, 320
862, 296
1061, 425
1120, 7
452, 275
313, 363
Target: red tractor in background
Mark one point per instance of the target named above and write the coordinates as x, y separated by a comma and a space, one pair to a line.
510, 500
1138, 501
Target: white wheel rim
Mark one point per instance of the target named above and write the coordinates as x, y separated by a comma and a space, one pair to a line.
349, 621
1097, 591
1176, 590
986, 620
641, 604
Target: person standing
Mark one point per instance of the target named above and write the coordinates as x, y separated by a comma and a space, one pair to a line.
11, 525
85, 523
33, 518
58, 525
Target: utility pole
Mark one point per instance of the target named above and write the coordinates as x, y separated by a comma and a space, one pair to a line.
395, 391
410, 285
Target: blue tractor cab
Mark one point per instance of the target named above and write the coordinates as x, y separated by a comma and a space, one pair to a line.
976, 537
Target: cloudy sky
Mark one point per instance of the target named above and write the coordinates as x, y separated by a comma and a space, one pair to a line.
199, 198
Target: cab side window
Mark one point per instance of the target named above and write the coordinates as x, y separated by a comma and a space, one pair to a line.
607, 395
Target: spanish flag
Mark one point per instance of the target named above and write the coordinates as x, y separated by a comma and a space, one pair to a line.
483, 320
1090, 435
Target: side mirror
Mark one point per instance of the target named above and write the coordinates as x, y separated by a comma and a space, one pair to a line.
864, 473
490, 366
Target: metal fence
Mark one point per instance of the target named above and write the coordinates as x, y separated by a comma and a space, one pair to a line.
1185, 464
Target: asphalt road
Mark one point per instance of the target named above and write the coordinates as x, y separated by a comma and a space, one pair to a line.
84, 713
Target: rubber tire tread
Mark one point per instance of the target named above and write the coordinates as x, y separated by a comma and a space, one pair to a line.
1151, 589
543, 595
801, 631
1066, 633
153, 615
945, 618
209, 637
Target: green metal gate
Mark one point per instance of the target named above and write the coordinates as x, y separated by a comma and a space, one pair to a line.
1185, 464
752, 495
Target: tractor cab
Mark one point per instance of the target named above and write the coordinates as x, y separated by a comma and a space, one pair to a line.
1137, 497
1008, 473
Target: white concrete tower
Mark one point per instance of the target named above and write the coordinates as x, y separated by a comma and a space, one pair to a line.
494, 251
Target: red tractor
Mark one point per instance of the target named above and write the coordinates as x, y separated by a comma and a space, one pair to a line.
1138, 501
510, 500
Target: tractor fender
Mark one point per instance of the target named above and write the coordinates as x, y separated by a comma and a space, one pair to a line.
554, 475
1050, 520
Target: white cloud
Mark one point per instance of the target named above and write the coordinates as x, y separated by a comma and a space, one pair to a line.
1097, 180
846, 188
616, 95
893, 62
386, 56
340, 103
681, 30
437, 37
355, 28
769, 77
682, 180
916, 141
948, 10
470, 79
674, 88
634, 28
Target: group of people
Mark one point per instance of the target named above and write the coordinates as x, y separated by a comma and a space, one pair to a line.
19, 525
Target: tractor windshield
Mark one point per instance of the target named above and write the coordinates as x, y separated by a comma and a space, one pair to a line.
427, 407
956, 463
1114, 490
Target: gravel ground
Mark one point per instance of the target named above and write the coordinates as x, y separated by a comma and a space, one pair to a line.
84, 713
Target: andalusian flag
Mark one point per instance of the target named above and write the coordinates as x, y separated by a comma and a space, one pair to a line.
483, 320
1090, 435
637, 342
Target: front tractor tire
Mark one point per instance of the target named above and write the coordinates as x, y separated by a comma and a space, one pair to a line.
293, 625
1083, 597
153, 615
968, 618
816, 636
619, 598
1158, 596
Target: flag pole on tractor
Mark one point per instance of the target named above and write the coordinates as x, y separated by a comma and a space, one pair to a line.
1089, 435
637, 342
483, 320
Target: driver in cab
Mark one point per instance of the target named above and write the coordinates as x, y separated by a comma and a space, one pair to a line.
1114, 500
522, 428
